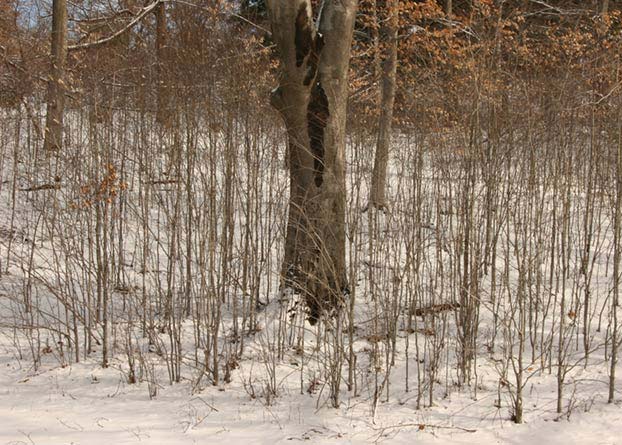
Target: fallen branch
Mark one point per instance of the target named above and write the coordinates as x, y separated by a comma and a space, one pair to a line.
436, 309
420, 427
41, 187
163, 181
423, 426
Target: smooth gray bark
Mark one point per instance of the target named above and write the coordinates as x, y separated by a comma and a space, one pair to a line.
56, 86
377, 197
162, 113
312, 99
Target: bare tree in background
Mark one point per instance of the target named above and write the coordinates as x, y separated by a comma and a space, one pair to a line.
389, 70
161, 42
56, 85
312, 98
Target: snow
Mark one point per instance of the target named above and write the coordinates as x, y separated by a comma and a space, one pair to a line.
85, 404
269, 400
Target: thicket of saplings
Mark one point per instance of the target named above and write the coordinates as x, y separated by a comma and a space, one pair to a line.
155, 248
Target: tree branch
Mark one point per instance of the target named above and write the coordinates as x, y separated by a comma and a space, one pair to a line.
146, 10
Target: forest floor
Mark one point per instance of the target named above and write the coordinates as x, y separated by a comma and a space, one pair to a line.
85, 404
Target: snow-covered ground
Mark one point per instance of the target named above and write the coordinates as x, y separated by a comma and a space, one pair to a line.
85, 404
283, 397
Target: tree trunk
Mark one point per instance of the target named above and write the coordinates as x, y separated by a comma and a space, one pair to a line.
56, 86
389, 69
162, 112
617, 223
312, 98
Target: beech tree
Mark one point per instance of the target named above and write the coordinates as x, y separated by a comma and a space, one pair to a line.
387, 99
312, 98
162, 112
56, 85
